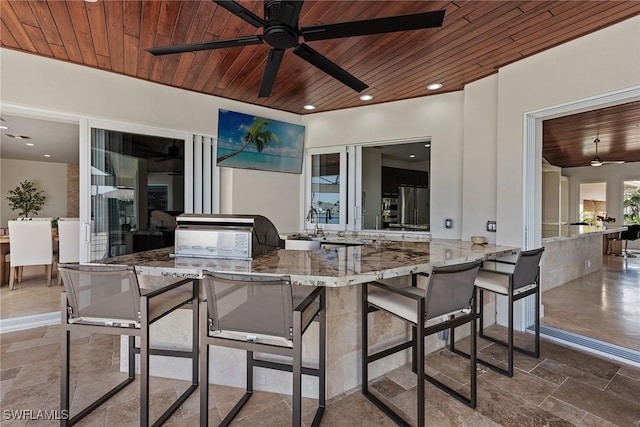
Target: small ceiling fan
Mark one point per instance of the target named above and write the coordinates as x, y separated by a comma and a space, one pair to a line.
173, 153
596, 161
281, 31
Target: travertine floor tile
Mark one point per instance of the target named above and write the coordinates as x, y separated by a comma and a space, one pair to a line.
606, 405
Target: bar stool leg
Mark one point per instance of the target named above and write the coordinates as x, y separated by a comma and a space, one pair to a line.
204, 367
297, 369
65, 368
144, 362
420, 357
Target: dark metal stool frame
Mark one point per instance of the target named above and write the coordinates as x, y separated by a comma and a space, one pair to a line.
419, 333
143, 350
512, 298
294, 352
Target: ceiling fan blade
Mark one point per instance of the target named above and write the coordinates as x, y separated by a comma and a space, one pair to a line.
374, 26
323, 63
241, 12
270, 71
289, 12
216, 44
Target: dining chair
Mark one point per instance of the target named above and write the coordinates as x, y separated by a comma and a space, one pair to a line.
514, 280
30, 243
68, 242
109, 300
449, 295
261, 314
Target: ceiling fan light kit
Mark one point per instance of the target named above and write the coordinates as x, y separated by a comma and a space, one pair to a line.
281, 31
596, 161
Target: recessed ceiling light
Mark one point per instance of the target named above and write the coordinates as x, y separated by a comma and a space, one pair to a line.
309, 107
366, 97
427, 145
412, 155
4, 127
47, 155
91, 1
30, 144
434, 86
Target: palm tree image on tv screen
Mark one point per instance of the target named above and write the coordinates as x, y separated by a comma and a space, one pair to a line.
251, 142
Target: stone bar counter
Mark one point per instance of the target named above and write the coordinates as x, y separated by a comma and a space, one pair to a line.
340, 268
578, 251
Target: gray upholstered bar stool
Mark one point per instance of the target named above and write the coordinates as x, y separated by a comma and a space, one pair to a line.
262, 314
108, 300
450, 293
515, 280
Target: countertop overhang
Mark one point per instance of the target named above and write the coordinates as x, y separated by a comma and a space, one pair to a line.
576, 231
332, 267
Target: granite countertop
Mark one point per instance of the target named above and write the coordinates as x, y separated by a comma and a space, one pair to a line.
575, 231
333, 267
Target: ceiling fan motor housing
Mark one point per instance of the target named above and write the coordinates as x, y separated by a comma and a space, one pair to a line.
277, 34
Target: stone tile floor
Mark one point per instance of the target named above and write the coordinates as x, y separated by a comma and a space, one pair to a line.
563, 387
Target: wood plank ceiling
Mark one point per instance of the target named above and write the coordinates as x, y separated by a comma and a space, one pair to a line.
476, 39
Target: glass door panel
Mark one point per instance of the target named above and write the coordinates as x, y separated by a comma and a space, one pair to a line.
326, 194
137, 189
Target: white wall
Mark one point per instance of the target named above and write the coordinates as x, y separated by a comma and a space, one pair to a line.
439, 117
32, 81
479, 174
599, 63
49, 177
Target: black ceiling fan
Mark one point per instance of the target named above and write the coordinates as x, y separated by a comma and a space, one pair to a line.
596, 161
281, 32
173, 153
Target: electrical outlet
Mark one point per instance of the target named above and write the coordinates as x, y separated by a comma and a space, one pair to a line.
448, 223
491, 226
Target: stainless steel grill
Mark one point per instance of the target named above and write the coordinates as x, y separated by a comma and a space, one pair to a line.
224, 236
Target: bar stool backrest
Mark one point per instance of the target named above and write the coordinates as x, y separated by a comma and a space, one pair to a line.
525, 272
450, 289
631, 233
245, 307
103, 294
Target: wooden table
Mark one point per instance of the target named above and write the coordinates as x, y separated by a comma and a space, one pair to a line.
4, 250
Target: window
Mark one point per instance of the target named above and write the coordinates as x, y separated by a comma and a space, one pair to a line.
132, 176
326, 189
593, 203
393, 180
631, 202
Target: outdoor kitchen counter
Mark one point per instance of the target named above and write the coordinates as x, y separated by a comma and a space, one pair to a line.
341, 269
332, 267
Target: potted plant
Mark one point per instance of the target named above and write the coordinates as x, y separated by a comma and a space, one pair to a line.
26, 198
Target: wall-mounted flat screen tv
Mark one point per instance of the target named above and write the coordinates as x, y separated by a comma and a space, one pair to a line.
251, 142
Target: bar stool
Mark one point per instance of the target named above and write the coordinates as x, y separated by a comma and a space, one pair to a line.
108, 300
515, 280
263, 314
450, 292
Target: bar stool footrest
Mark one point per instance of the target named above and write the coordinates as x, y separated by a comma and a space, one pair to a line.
238, 406
522, 350
387, 410
98, 402
167, 414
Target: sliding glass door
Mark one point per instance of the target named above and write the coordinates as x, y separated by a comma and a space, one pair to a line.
133, 177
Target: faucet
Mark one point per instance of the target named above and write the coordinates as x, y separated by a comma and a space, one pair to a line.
312, 217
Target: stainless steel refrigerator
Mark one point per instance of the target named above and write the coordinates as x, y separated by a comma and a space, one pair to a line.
413, 207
